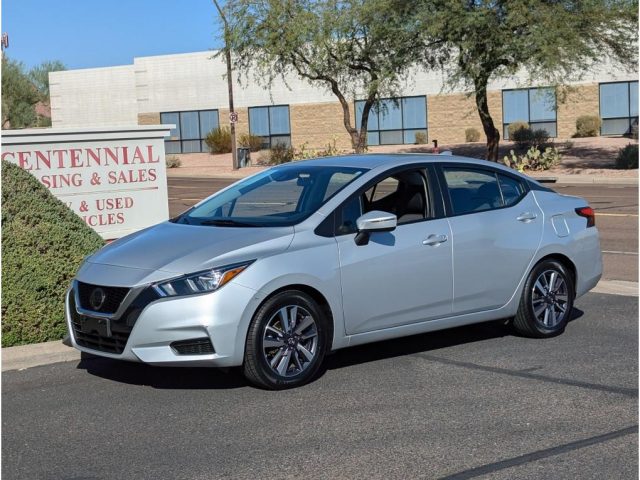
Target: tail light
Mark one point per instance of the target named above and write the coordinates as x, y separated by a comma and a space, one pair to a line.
589, 214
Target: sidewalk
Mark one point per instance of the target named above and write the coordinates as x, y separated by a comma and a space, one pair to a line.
27, 356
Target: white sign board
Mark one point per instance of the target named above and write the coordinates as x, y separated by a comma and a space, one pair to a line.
114, 178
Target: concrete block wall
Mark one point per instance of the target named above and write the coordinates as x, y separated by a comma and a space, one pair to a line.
573, 102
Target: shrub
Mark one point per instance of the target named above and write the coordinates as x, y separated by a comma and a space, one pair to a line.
634, 131
219, 140
587, 126
43, 243
533, 159
280, 153
514, 127
252, 142
627, 157
421, 138
172, 161
471, 135
526, 138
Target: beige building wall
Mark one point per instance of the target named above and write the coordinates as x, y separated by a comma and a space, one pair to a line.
573, 102
449, 115
149, 118
318, 125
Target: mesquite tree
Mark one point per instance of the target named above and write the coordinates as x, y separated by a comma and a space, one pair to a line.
553, 41
354, 48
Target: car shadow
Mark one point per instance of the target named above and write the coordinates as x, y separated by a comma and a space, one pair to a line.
187, 378
423, 343
203, 378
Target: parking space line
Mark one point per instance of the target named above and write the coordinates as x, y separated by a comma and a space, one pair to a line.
541, 454
629, 392
618, 252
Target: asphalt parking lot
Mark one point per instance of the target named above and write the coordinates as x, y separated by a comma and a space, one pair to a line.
473, 402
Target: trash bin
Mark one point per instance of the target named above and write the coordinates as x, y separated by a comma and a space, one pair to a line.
244, 157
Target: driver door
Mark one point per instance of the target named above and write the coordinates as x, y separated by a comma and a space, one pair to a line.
403, 276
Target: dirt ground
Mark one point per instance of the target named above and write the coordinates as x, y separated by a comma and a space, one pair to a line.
584, 156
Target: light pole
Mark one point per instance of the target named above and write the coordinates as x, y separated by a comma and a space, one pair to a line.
227, 53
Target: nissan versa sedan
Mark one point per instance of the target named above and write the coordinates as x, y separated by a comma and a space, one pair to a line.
277, 270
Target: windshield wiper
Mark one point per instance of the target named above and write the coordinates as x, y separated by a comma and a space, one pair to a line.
227, 223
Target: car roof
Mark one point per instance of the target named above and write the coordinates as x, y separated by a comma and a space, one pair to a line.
373, 160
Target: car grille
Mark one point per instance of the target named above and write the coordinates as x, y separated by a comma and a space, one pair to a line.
93, 333
196, 346
113, 297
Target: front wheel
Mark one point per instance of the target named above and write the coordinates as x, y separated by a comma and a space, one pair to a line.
286, 342
546, 302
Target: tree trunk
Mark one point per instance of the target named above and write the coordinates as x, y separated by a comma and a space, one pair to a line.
490, 130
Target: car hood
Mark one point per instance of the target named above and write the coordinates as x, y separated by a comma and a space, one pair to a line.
179, 248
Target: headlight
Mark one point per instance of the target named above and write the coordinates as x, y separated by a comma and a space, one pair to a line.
200, 282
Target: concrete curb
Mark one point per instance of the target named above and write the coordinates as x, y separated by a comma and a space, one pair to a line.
27, 356
589, 180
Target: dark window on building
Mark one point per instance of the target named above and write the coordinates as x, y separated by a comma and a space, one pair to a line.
191, 128
536, 106
272, 124
618, 107
394, 121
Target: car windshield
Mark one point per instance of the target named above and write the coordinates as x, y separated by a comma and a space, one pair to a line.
281, 196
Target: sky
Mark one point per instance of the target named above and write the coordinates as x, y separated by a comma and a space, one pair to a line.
102, 33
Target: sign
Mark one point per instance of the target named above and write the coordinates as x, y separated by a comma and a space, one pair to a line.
113, 178
233, 117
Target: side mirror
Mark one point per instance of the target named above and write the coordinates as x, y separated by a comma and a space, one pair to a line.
374, 221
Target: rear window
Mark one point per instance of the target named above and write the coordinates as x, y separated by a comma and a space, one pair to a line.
476, 190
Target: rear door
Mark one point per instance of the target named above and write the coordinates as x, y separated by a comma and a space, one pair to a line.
496, 228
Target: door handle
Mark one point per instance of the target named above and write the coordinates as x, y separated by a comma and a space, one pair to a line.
526, 217
433, 240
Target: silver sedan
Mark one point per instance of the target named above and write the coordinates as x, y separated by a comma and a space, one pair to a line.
275, 271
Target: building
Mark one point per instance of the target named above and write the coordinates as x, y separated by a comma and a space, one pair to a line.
190, 91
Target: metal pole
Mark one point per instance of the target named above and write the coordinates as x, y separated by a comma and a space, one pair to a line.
227, 51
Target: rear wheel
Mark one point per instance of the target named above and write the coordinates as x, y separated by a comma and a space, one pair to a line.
286, 342
546, 302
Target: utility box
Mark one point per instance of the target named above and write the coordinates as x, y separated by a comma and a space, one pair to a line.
244, 157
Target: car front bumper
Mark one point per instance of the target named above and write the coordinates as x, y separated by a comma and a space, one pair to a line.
222, 316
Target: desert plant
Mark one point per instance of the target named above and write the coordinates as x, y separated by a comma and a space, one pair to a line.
634, 131
43, 245
627, 158
421, 138
280, 153
514, 127
219, 140
252, 142
533, 159
587, 126
172, 161
471, 135
526, 138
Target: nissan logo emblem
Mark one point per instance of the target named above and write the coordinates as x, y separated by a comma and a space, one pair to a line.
97, 298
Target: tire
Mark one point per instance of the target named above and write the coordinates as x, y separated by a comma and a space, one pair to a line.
542, 313
286, 342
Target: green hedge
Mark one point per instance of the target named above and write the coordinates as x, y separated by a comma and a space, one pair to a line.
43, 245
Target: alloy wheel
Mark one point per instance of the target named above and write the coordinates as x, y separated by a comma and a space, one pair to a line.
550, 298
290, 340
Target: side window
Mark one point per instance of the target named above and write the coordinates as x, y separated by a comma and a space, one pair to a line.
404, 194
472, 190
512, 190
